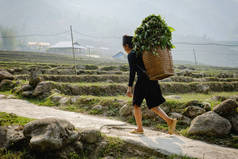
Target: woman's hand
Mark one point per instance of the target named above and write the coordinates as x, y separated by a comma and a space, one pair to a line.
129, 92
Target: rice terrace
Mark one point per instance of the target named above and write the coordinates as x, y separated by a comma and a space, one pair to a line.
80, 93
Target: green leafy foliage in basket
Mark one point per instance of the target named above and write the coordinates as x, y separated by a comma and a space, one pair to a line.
151, 34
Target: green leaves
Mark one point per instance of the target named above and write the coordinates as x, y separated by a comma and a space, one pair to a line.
171, 29
151, 34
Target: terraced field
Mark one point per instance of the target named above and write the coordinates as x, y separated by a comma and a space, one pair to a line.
99, 89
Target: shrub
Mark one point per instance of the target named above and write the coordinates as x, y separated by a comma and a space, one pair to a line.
91, 67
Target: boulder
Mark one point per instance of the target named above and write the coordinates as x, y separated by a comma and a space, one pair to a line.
26, 87
90, 136
193, 111
34, 81
207, 106
209, 124
5, 75
235, 97
27, 94
12, 137
43, 89
183, 120
50, 134
234, 122
125, 110
6, 85
15, 137
226, 108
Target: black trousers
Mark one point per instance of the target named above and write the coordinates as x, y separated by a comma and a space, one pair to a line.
148, 90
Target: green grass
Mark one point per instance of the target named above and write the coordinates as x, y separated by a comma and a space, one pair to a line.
12, 119
5, 93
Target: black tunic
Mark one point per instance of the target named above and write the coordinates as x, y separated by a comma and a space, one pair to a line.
136, 66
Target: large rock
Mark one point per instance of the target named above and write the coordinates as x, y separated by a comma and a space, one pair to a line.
27, 94
34, 81
226, 108
15, 137
193, 111
5, 75
90, 136
210, 124
6, 85
235, 97
234, 122
207, 106
26, 87
50, 134
43, 89
11, 137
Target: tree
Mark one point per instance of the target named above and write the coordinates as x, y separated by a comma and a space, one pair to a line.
7, 38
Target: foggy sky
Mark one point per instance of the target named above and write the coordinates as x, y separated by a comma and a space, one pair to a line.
106, 21
216, 19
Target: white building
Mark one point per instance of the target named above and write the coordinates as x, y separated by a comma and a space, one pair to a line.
66, 47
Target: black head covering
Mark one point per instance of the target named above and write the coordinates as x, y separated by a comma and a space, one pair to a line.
127, 40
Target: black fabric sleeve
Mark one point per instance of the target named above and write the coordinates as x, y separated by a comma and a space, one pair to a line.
132, 65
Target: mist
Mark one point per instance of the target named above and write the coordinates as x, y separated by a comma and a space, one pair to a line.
104, 22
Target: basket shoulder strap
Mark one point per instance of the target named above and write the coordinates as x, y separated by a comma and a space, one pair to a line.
144, 71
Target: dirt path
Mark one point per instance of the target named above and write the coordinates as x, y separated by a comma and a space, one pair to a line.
158, 141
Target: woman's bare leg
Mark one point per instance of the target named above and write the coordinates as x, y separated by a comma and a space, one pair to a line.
162, 114
138, 117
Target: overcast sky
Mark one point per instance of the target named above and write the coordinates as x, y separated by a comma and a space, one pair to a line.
106, 21
216, 19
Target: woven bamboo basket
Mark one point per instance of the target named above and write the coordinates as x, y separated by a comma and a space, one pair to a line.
158, 66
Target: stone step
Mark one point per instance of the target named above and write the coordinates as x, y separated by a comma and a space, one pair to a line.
114, 89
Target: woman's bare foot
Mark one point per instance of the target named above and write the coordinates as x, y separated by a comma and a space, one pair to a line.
172, 126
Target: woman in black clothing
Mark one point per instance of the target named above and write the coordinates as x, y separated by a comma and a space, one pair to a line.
144, 88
